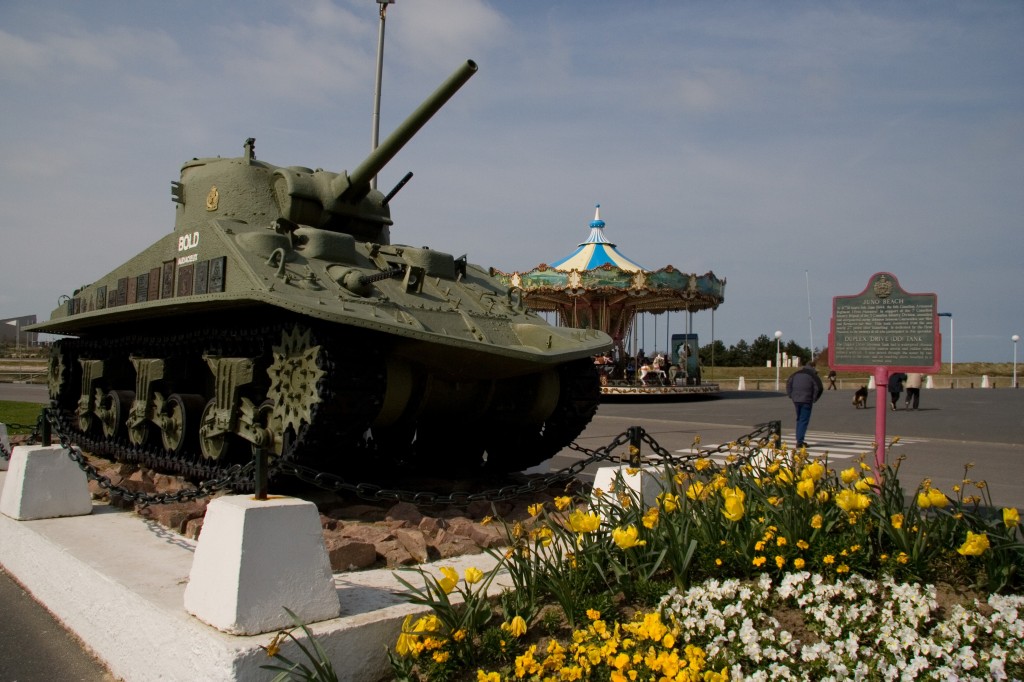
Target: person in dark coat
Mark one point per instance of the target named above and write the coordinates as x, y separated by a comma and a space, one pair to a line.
896, 380
804, 387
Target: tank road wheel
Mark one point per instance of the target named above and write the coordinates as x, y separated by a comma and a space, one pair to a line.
141, 434
112, 410
215, 446
179, 421
88, 415
518, 448
295, 375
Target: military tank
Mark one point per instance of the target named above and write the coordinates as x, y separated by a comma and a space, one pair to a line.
279, 317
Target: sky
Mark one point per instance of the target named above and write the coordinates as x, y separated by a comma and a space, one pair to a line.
792, 148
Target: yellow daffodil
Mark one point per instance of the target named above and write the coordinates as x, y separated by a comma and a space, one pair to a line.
450, 579
650, 518
562, 503
848, 476
896, 520
851, 501
702, 463
813, 471
816, 521
865, 484
1011, 517
517, 627
696, 491
406, 640
785, 476
669, 502
975, 545
626, 537
582, 522
937, 498
535, 509
733, 508
474, 575
805, 488
544, 536
798, 564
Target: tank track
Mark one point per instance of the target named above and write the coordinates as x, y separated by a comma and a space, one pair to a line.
515, 448
347, 400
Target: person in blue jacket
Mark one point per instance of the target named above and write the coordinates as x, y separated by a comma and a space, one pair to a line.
804, 387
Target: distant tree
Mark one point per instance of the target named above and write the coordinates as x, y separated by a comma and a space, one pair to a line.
762, 350
795, 350
721, 354
739, 354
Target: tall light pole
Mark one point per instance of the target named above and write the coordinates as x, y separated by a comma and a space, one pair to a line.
374, 136
1015, 338
778, 358
950, 316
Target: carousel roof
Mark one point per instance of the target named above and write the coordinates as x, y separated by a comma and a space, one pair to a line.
596, 274
595, 252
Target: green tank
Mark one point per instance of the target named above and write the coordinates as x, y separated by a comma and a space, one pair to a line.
278, 316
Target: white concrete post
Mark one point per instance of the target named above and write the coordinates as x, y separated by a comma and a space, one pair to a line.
644, 484
44, 483
256, 557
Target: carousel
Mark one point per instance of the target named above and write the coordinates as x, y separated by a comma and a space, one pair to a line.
596, 287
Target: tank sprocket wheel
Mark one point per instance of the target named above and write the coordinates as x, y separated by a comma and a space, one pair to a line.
294, 374
57, 372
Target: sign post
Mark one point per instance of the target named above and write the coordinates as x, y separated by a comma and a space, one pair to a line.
883, 330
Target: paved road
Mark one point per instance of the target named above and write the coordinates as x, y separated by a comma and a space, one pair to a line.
951, 429
34, 647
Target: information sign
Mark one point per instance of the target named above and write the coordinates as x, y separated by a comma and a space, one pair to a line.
885, 326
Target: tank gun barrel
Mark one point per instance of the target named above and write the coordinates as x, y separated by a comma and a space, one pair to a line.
359, 178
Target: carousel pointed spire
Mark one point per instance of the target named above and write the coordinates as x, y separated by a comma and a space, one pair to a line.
596, 251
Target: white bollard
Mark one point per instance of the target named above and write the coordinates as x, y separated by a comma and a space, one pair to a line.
871, 383
256, 557
44, 483
928, 383
742, 385
984, 381
643, 484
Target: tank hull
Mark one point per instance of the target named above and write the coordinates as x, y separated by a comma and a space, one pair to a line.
279, 317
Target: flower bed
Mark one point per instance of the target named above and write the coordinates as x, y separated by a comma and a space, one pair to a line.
771, 566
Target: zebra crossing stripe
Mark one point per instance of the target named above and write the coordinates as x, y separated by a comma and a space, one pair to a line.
836, 445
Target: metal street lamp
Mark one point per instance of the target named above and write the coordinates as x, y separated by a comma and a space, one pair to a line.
778, 358
380, 71
1015, 338
950, 316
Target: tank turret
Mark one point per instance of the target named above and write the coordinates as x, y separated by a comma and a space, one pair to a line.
278, 315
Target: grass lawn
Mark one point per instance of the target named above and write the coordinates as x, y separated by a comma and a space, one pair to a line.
24, 414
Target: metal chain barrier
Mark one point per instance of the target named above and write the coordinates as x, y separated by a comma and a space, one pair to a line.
233, 475
764, 435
